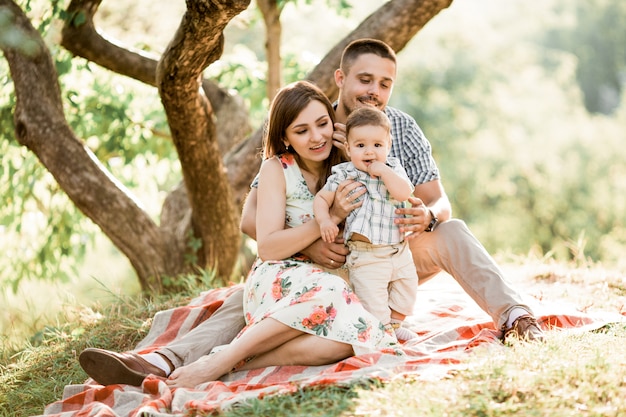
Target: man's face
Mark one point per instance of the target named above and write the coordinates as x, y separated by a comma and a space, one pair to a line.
368, 82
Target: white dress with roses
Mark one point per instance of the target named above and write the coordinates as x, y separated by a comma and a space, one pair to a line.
300, 294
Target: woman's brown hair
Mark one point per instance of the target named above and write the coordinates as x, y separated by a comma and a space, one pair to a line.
286, 106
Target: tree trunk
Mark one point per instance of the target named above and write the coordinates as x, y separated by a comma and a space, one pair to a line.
40, 125
271, 16
202, 129
197, 43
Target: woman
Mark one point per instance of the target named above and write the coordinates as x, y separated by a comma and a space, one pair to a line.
296, 313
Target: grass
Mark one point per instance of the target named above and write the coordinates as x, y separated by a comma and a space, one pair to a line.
571, 374
34, 376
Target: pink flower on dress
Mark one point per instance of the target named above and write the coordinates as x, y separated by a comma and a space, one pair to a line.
332, 312
309, 294
280, 287
320, 319
286, 160
318, 316
364, 336
350, 296
363, 328
306, 295
276, 289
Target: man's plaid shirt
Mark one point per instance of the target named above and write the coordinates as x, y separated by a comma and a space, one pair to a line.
411, 147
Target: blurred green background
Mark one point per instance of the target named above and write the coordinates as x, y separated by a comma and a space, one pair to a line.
522, 102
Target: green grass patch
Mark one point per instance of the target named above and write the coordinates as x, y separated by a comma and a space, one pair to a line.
35, 375
569, 375
572, 374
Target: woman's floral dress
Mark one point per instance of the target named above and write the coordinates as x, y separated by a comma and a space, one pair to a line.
300, 294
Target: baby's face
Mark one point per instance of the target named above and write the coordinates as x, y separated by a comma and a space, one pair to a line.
367, 144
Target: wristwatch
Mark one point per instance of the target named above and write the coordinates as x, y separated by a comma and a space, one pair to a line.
433, 223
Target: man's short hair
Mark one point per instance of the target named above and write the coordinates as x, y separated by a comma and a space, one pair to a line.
363, 46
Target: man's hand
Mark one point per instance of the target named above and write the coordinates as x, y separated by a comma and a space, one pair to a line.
329, 255
339, 137
418, 218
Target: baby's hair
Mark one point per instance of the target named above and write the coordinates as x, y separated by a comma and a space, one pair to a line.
367, 116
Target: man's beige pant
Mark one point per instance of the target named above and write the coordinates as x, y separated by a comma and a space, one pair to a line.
451, 248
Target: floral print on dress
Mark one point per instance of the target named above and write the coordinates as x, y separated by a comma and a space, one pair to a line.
320, 320
280, 288
301, 295
364, 329
350, 296
305, 295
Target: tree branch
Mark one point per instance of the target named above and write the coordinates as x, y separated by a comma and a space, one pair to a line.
396, 23
40, 125
80, 37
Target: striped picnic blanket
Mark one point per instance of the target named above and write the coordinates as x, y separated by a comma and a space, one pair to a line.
449, 325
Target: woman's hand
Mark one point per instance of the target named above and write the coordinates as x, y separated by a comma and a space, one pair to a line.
346, 197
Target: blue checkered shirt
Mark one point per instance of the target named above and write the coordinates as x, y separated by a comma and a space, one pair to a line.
411, 147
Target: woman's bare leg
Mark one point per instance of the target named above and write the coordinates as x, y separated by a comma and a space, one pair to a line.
306, 349
257, 340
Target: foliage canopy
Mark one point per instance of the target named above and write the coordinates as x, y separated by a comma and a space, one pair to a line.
525, 163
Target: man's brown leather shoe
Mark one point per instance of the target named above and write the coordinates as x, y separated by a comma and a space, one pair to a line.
107, 367
524, 328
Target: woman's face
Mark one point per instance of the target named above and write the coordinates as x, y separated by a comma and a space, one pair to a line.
310, 134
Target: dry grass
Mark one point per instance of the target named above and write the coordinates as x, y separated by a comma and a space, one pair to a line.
571, 374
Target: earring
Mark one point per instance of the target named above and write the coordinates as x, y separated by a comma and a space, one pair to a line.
289, 149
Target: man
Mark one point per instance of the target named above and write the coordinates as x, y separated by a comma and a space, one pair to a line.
437, 241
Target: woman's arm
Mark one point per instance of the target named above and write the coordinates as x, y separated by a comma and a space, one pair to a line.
319, 251
274, 241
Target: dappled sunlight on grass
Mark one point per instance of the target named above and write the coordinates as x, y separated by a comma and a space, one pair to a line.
105, 277
570, 374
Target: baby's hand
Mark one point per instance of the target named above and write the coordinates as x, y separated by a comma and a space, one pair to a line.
376, 168
329, 231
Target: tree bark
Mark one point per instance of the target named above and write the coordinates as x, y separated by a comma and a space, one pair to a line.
273, 29
197, 43
40, 125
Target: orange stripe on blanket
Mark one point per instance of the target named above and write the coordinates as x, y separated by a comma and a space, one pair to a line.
449, 326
